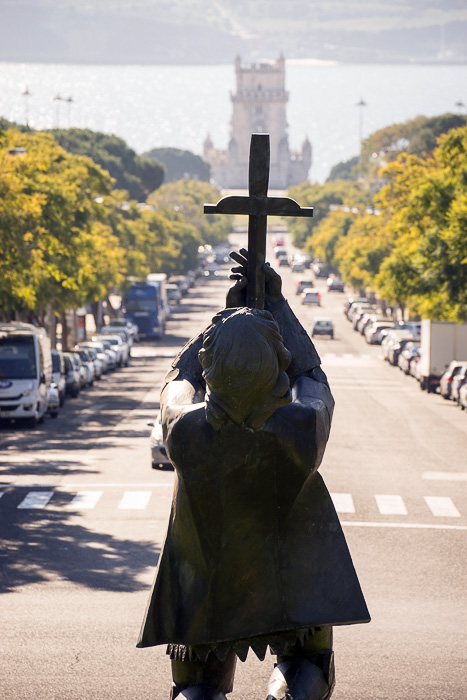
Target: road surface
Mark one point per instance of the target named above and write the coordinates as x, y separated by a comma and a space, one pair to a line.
83, 516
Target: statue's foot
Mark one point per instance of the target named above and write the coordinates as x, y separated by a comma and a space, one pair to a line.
300, 679
200, 692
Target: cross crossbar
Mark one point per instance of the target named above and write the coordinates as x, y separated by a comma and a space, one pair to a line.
257, 206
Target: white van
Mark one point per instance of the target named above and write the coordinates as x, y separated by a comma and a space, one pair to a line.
25, 372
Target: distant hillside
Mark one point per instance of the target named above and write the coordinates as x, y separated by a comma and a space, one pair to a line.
214, 31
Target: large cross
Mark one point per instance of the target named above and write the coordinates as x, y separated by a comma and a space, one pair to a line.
258, 206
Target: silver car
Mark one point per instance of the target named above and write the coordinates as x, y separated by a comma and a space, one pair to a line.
159, 457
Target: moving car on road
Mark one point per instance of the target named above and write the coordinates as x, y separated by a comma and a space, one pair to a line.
311, 296
322, 326
304, 284
335, 284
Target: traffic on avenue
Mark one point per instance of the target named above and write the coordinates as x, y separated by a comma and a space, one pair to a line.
84, 507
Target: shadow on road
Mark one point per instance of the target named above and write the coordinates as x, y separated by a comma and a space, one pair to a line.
37, 550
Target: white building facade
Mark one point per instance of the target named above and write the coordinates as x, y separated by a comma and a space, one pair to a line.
259, 106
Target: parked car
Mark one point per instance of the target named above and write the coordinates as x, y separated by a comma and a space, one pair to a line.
98, 365
396, 348
458, 380
110, 351
174, 294
413, 327
410, 352
445, 383
87, 363
352, 302
25, 372
335, 284
183, 282
463, 396
311, 296
118, 344
122, 332
125, 323
54, 401
374, 331
101, 353
358, 308
358, 312
415, 365
72, 374
58, 374
391, 338
322, 326
158, 452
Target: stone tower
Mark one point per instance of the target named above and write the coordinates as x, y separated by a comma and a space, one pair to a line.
259, 106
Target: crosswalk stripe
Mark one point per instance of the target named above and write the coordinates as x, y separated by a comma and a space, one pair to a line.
445, 476
135, 500
442, 507
343, 502
36, 499
85, 499
390, 504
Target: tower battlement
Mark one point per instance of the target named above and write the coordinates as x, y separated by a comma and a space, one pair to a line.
258, 106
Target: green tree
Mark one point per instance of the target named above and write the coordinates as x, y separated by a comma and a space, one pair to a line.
328, 234
360, 253
338, 193
54, 245
180, 165
185, 198
136, 174
345, 170
425, 205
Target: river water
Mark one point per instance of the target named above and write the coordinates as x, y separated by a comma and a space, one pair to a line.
151, 106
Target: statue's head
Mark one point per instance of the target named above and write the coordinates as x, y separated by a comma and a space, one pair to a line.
244, 361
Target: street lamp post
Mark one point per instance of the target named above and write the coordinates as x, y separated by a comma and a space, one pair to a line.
57, 99
26, 95
360, 104
69, 101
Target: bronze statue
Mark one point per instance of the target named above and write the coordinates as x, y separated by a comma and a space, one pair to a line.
254, 556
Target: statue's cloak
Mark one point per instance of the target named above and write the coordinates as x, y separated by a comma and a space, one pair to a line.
254, 545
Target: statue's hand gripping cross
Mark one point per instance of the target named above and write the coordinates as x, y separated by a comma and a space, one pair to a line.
258, 206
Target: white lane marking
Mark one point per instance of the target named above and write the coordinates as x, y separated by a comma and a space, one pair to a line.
65, 486
1, 493
445, 476
36, 499
442, 507
343, 502
405, 526
135, 500
85, 500
390, 504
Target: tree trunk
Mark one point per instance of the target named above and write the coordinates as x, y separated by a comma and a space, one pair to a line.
64, 330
